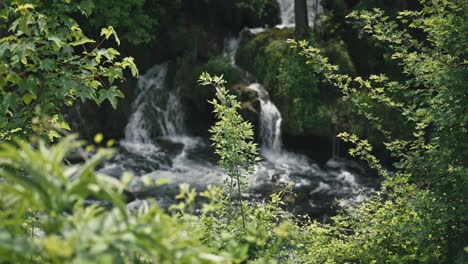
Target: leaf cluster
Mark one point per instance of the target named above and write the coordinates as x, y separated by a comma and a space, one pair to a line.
48, 63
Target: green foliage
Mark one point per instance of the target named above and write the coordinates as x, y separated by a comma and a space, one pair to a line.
400, 226
253, 56
221, 65
48, 215
137, 21
431, 164
232, 137
47, 63
307, 106
338, 54
54, 212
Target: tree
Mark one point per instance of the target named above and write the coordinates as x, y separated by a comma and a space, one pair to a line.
47, 63
302, 19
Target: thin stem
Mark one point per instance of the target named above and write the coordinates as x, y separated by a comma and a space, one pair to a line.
240, 196
95, 48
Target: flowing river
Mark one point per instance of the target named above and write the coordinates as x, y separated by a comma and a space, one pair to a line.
158, 145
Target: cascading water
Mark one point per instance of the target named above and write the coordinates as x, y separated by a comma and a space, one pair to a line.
270, 121
157, 145
314, 8
281, 166
154, 98
231, 45
138, 138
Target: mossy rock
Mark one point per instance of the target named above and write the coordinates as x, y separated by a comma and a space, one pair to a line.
253, 54
244, 94
195, 97
306, 104
250, 111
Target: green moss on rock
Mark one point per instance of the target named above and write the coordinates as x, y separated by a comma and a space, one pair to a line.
302, 97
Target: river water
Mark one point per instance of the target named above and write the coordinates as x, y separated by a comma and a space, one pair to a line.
158, 145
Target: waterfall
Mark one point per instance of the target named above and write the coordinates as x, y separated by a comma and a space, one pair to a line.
270, 121
231, 45
270, 116
157, 146
287, 12
156, 113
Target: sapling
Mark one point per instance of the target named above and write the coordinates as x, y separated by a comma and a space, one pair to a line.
232, 138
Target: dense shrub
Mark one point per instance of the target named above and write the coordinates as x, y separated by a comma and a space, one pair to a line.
432, 102
48, 63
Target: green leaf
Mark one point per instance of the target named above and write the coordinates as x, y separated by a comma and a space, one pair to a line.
82, 41
129, 62
113, 73
86, 7
98, 138
107, 32
105, 53
28, 85
57, 41
28, 98
4, 47
52, 134
4, 13
24, 8
64, 125
9, 102
111, 95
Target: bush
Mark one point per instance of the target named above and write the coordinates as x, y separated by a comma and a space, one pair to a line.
428, 184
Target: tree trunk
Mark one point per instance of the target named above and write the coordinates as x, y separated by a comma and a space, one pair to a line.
302, 21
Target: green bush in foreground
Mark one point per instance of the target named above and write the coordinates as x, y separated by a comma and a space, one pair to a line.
45, 216
48, 216
52, 212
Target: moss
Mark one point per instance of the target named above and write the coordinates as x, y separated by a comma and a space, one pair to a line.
306, 104
244, 94
253, 55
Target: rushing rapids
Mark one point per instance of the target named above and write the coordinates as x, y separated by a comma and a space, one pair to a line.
158, 145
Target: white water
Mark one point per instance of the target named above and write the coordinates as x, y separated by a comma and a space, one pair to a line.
288, 16
158, 146
270, 121
138, 138
231, 45
154, 130
281, 166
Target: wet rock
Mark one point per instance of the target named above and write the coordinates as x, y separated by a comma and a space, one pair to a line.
135, 205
